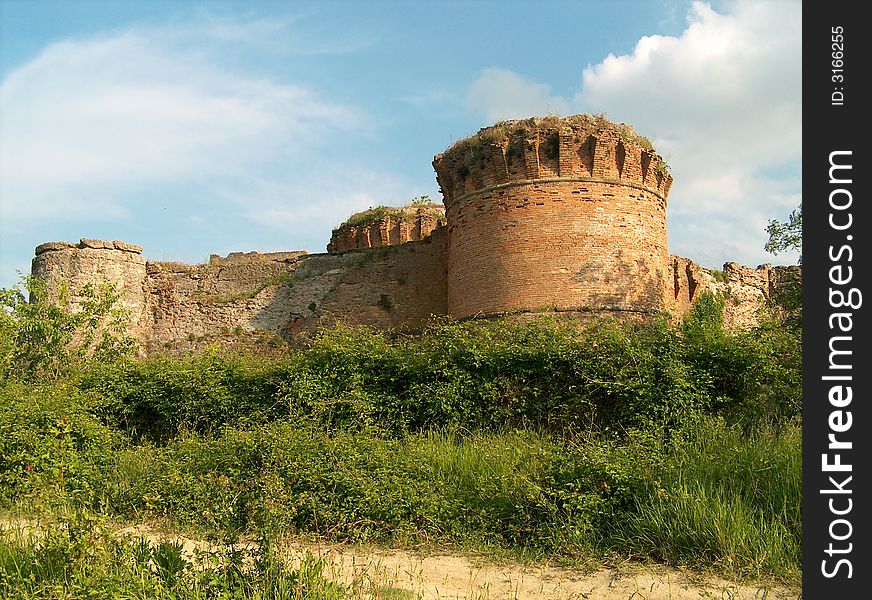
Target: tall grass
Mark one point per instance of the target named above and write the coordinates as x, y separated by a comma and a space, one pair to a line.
724, 500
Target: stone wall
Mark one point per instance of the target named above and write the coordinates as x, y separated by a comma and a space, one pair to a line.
295, 293
565, 213
391, 287
746, 290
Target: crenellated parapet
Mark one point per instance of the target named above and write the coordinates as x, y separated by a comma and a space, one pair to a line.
387, 226
577, 148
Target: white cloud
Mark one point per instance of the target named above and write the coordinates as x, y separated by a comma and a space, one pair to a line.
320, 200
88, 120
502, 94
722, 102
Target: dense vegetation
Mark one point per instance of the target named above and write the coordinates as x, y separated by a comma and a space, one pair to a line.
677, 443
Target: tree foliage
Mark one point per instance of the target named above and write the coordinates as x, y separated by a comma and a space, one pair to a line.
41, 339
785, 236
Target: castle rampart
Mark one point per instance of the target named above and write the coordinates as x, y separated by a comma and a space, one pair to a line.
565, 215
73, 266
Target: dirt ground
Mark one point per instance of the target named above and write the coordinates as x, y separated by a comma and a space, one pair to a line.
398, 575
382, 574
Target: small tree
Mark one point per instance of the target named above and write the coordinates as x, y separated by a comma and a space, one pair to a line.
42, 339
785, 236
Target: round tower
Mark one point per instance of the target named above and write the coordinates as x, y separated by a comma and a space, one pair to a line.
560, 213
72, 266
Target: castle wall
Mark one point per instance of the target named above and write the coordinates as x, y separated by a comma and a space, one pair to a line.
566, 215
562, 244
228, 294
286, 294
391, 287
689, 280
556, 213
745, 290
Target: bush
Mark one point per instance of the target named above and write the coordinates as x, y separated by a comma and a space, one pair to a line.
52, 446
155, 399
501, 375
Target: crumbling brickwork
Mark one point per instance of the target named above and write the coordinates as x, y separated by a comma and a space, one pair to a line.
745, 290
370, 229
285, 293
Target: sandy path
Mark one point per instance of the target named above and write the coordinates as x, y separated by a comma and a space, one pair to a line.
399, 575
382, 574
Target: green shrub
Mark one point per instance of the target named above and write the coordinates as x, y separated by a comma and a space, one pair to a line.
52, 446
544, 375
156, 398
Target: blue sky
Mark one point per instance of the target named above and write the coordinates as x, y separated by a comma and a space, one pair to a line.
198, 127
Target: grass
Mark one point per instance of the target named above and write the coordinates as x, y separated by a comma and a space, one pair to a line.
725, 500
72, 560
719, 275
721, 501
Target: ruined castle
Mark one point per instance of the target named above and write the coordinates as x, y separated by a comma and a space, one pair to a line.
563, 215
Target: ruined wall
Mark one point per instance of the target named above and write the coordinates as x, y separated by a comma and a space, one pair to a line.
287, 294
385, 226
564, 213
392, 287
746, 290
227, 294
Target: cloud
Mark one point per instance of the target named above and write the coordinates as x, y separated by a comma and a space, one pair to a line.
502, 94
89, 120
722, 103
316, 202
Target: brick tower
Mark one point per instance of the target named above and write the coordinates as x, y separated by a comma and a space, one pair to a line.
560, 213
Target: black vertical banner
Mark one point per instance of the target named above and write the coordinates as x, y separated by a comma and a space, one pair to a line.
837, 363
